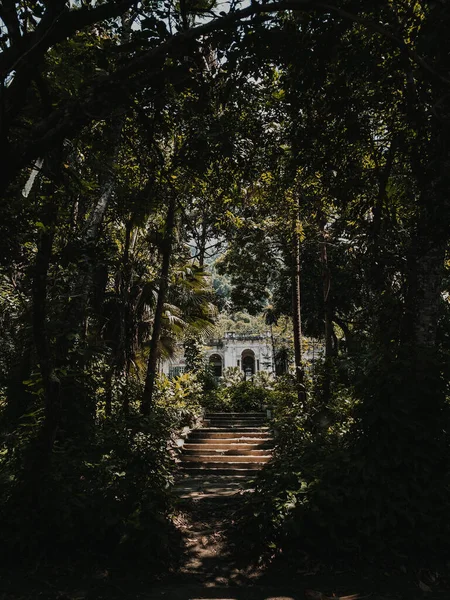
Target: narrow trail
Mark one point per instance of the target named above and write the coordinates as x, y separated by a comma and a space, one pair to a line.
218, 465
212, 567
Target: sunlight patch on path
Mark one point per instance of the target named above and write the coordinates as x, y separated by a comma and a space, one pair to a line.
188, 592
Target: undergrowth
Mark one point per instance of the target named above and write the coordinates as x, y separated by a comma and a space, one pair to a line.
101, 498
344, 493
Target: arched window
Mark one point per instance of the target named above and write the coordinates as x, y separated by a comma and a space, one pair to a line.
215, 364
248, 363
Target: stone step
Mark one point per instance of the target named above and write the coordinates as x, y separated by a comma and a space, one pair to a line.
242, 417
214, 424
225, 452
235, 414
231, 430
205, 478
236, 428
235, 418
226, 445
197, 487
200, 434
242, 471
213, 458
227, 465
222, 458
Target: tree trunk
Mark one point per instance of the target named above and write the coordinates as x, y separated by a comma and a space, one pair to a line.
126, 341
424, 278
348, 336
98, 212
272, 341
202, 249
328, 312
296, 312
50, 380
430, 159
147, 398
383, 180
326, 286
108, 391
124, 292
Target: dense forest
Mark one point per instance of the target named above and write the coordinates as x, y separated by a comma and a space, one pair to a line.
168, 165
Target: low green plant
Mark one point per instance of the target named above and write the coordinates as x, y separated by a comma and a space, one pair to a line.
180, 398
231, 376
109, 497
241, 396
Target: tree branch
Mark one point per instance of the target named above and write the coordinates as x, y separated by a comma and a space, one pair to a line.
109, 93
54, 27
385, 32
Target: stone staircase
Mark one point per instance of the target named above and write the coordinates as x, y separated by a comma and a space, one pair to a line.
223, 456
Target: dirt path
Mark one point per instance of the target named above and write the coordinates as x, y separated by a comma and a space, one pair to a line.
210, 568
213, 569
209, 556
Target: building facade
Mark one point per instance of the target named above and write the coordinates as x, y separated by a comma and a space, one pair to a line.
249, 353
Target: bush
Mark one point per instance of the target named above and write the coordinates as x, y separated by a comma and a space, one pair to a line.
308, 440
106, 498
336, 490
235, 395
180, 398
231, 376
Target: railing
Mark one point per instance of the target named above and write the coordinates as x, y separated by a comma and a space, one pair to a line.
218, 342
230, 335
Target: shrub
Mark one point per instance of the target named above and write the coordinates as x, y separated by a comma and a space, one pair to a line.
107, 498
180, 398
242, 396
336, 490
103, 497
231, 376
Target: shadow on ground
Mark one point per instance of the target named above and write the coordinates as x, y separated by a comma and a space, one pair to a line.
211, 567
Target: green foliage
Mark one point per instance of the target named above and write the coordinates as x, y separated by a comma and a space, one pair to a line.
232, 376
108, 499
192, 354
180, 398
236, 395
105, 497
325, 492
305, 445
247, 396
240, 322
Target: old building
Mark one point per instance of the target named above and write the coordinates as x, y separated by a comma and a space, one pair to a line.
249, 353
